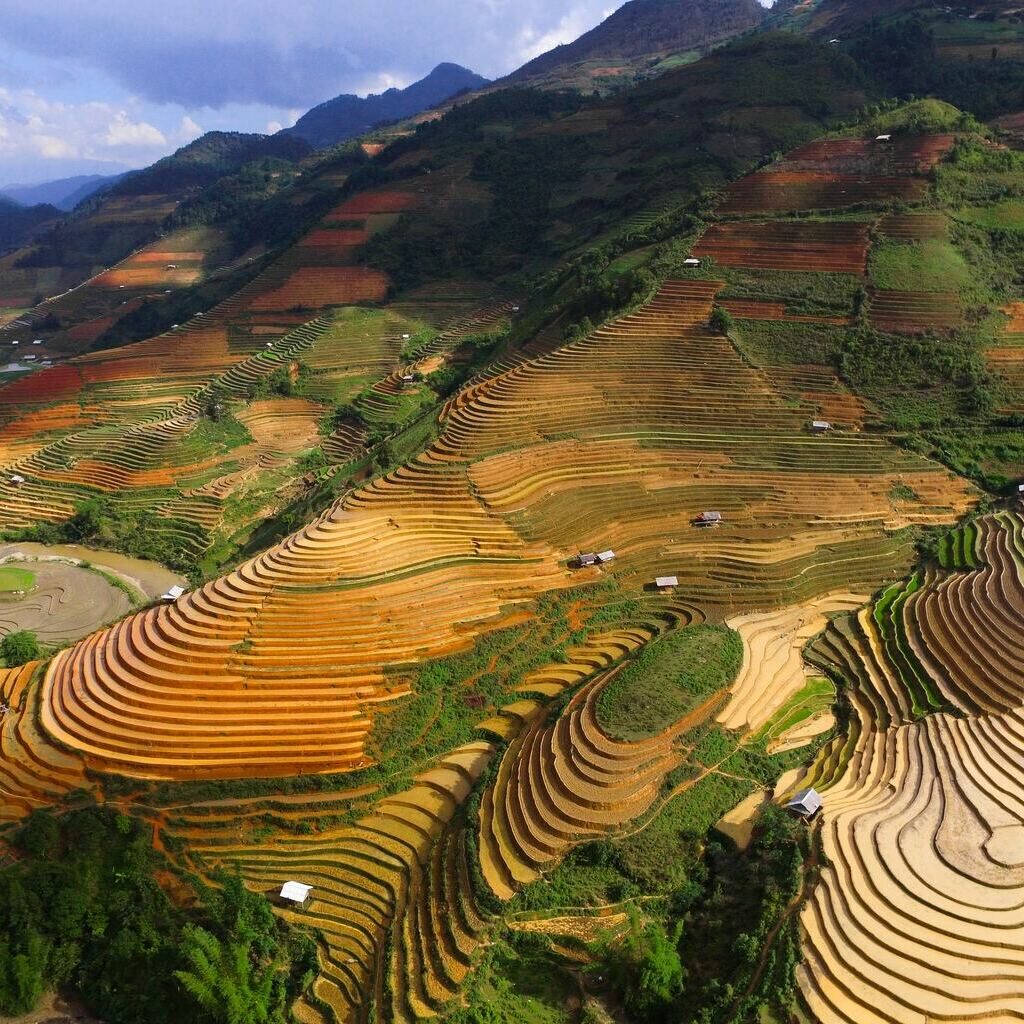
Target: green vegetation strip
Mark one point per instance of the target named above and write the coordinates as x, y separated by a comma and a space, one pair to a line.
667, 679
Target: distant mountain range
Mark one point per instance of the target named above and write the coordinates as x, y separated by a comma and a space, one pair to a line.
63, 193
18, 223
347, 116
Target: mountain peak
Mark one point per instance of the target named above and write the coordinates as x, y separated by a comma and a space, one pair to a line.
347, 116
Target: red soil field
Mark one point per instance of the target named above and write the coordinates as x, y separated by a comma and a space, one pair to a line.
326, 286
784, 191
45, 386
340, 238
756, 309
801, 245
374, 202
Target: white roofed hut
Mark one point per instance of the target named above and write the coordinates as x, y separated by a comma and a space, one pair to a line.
708, 519
17, 480
604, 557
820, 426
173, 594
296, 894
692, 261
806, 803
883, 138
666, 582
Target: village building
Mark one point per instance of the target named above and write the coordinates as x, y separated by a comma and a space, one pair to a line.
585, 560
821, 426
806, 803
691, 262
666, 582
173, 594
708, 519
604, 557
296, 894
17, 480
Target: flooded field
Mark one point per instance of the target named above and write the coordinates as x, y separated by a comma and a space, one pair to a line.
76, 590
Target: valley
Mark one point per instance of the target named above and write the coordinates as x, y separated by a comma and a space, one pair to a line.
553, 496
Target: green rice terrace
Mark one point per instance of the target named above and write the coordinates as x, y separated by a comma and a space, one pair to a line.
571, 573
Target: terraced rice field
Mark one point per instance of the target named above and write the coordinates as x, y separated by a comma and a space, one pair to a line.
912, 312
838, 247
917, 915
839, 173
393, 898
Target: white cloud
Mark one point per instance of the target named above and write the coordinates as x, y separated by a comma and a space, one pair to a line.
123, 132
35, 128
572, 25
188, 130
273, 127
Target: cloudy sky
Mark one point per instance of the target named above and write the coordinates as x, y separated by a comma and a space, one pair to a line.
100, 85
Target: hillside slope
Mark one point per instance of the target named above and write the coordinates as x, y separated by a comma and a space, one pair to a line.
347, 116
646, 29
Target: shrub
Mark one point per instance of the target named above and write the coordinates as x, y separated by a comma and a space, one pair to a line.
19, 647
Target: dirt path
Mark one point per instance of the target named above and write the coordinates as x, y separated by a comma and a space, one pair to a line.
808, 877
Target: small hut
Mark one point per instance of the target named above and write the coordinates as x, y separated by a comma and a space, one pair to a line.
691, 262
708, 519
806, 803
17, 480
296, 894
883, 138
584, 560
604, 557
173, 594
666, 582
820, 426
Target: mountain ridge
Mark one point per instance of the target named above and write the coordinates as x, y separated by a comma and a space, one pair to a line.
641, 28
348, 115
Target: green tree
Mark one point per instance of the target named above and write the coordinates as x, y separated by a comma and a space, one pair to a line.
19, 647
644, 966
228, 982
721, 320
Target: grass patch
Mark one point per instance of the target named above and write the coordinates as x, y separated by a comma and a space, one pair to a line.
1008, 214
13, 579
667, 678
932, 265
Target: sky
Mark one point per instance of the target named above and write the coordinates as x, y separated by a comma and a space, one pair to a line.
99, 86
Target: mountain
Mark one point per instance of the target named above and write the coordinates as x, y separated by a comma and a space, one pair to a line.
209, 158
647, 28
347, 116
18, 222
63, 193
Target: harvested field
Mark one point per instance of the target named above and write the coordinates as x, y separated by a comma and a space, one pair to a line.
915, 312
838, 173
773, 667
836, 247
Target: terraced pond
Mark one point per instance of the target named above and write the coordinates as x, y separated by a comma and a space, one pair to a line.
69, 591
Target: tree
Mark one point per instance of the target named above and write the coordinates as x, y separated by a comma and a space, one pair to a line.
19, 647
721, 320
644, 966
227, 982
